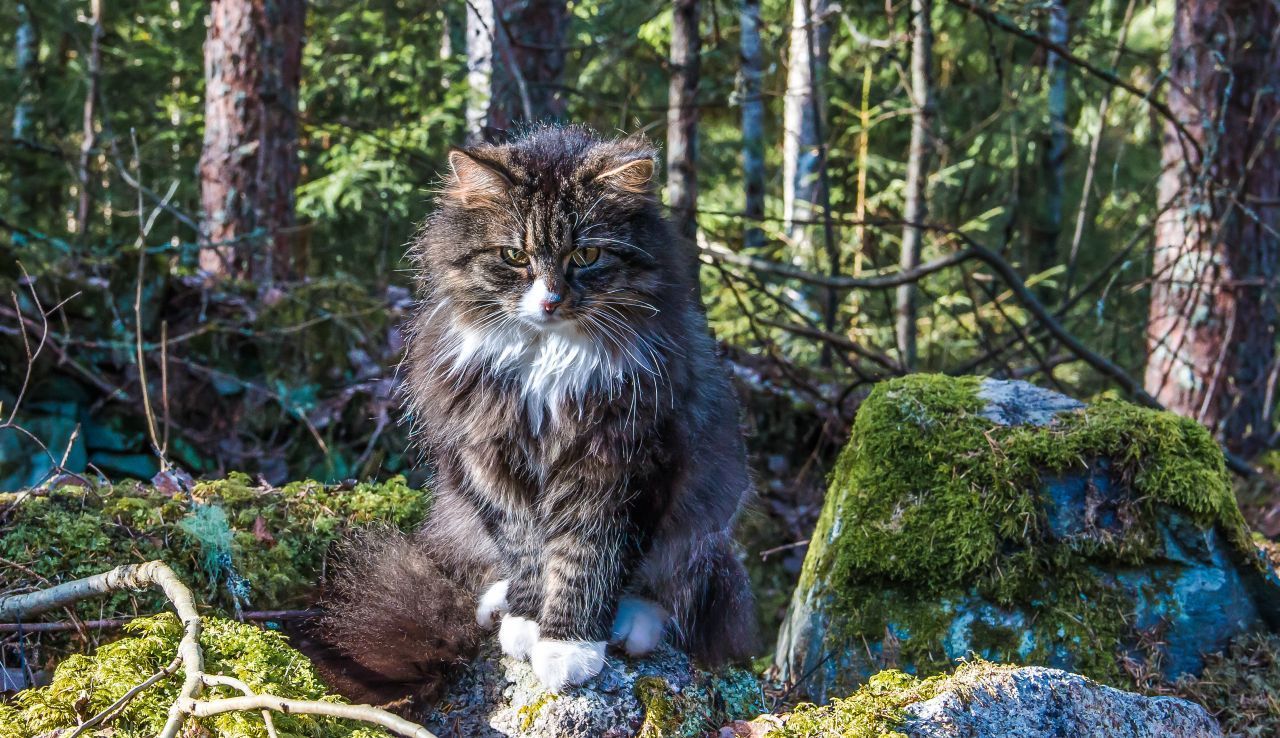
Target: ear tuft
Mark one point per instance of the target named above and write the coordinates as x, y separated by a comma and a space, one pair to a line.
475, 179
632, 176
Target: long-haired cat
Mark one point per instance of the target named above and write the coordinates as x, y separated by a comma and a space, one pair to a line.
585, 438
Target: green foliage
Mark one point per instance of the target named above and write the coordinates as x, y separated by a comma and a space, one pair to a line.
939, 497
713, 700
85, 685
278, 537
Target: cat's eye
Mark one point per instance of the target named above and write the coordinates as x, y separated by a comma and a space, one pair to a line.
585, 257
515, 257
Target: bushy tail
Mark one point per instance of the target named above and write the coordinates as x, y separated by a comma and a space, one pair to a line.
717, 616
400, 622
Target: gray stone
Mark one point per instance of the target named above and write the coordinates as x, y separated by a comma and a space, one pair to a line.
1035, 702
1015, 402
499, 697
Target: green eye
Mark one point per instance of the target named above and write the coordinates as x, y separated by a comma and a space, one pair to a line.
515, 257
585, 257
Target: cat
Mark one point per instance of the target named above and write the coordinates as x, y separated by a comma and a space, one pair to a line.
588, 461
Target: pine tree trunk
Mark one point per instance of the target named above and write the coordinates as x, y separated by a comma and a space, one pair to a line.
753, 173
515, 61
1211, 331
249, 165
1053, 157
802, 191
682, 118
26, 46
916, 207
89, 140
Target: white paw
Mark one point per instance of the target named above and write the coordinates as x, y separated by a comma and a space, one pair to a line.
559, 664
492, 604
639, 625
517, 636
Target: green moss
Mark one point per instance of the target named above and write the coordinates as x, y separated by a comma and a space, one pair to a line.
876, 709
278, 537
946, 504
711, 701
85, 685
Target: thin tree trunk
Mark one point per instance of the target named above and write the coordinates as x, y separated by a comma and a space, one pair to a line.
802, 157
916, 207
753, 174
249, 165
1211, 332
682, 118
26, 46
515, 61
89, 141
1053, 157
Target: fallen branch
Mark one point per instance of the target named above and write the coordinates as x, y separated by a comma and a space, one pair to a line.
157, 574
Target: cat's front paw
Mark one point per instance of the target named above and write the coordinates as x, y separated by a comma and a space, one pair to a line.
517, 636
639, 625
492, 604
559, 664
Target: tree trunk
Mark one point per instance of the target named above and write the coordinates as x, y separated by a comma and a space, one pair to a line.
249, 165
802, 157
89, 140
1211, 331
682, 118
26, 47
1053, 157
916, 207
753, 174
515, 60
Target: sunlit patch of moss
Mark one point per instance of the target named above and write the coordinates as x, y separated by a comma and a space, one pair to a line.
85, 685
877, 708
661, 711
931, 503
279, 537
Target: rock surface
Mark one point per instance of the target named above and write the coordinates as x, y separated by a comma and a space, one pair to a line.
661, 696
997, 519
1034, 702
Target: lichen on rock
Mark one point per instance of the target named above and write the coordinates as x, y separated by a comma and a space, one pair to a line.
1059, 534
660, 696
84, 685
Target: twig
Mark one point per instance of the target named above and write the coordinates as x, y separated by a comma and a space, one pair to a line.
158, 574
117, 623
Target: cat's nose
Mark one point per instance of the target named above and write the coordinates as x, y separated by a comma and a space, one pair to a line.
551, 301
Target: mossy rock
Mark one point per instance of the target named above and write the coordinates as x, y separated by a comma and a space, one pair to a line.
985, 700
268, 545
86, 685
659, 696
971, 516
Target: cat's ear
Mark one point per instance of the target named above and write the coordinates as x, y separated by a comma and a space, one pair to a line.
474, 180
634, 175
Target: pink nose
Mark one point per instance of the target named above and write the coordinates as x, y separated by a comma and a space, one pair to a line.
551, 302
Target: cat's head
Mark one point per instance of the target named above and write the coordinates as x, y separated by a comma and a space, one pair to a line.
558, 231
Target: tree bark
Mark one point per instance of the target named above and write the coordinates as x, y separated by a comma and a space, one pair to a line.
1054, 155
682, 118
1211, 330
26, 47
802, 156
916, 207
515, 61
753, 173
249, 164
89, 139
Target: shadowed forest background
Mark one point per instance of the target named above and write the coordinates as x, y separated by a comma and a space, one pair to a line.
204, 209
